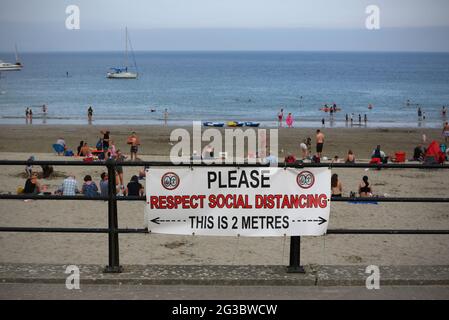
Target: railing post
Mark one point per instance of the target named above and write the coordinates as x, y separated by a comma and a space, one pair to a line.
113, 244
295, 256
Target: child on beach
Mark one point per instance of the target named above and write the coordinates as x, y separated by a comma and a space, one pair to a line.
289, 120
32, 185
29, 168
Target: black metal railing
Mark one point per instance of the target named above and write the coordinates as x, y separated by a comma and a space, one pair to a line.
113, 230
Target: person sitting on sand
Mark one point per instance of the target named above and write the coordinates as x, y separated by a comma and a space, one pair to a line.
418, 153
61, 142
104, 184
350, 158
32, 185
365, 189
69, 187
134, 188
78, 153
378, 154
89, 188
85, 150
336, 186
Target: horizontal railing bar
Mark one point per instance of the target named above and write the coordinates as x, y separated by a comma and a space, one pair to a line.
134, 198
169, 164
130, 230
69, 230
50, 197
384, 231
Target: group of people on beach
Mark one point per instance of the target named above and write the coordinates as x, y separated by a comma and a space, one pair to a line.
288, 120
105, 150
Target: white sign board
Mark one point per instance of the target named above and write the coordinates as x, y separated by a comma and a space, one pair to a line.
226, 201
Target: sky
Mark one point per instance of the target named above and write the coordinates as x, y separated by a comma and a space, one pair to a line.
405, 25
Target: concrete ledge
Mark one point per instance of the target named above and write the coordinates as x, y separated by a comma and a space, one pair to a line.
220, 275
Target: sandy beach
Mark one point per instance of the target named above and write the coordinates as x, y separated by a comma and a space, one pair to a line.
18, 142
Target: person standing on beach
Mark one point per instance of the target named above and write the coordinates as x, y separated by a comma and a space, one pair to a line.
304, 149
365, 118
280, 117
319, 143
165, 116
134, 141
446, 132
90, 113
323, 122
289, 120
419, 113
44, 109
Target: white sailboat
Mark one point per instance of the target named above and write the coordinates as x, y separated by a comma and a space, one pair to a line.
123, 73
7, 66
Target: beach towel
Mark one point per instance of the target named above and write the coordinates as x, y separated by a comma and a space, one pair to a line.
365, 202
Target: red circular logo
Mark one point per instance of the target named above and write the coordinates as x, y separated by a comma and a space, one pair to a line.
170, 181
305, 179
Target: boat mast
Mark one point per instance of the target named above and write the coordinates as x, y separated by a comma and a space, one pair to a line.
126, 47
17, 55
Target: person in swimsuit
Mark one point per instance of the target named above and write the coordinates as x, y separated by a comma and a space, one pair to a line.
319, 142
336, 186
289, 120
134, 141
365, 189
280, 117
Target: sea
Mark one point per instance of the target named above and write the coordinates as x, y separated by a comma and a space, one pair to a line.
229, 86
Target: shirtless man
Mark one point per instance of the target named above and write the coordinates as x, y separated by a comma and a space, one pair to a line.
446, 132
319, 143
